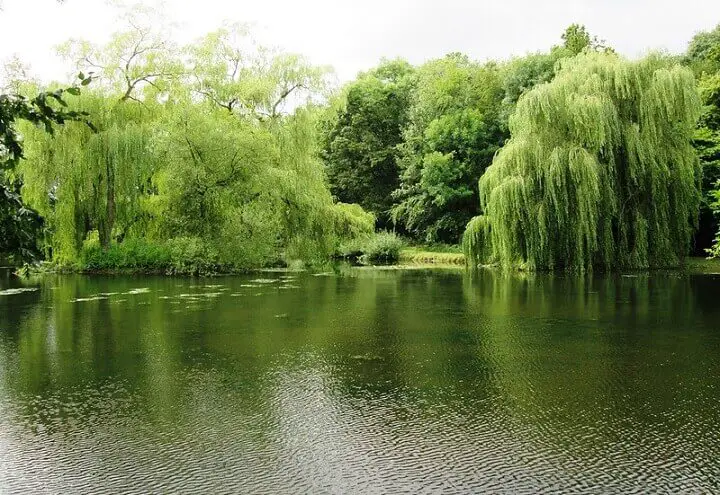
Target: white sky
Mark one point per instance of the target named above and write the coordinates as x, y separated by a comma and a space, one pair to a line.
352, 35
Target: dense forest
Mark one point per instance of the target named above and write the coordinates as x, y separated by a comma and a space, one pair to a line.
227, 155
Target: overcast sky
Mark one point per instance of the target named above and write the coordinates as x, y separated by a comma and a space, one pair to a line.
353, 35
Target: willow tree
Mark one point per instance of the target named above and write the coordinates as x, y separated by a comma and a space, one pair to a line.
82, 179
228, 68
599, 171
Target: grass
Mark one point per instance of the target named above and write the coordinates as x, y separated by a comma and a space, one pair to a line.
420, 255
702, 265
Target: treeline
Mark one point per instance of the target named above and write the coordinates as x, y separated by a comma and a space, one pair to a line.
593, 166
226, 155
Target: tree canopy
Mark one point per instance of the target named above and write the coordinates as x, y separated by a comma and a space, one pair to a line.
599, 171
453, 131
570, 158
361, 138
703, 57
218, 147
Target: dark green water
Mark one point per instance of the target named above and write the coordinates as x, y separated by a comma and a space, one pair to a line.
368, 381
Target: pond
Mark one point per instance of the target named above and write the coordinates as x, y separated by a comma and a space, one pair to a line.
360, 381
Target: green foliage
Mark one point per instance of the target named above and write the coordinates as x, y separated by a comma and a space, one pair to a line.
577, 39
44, 110
82, 179
171, 160
599, 171
20, 226
714, 251
477, 241
703, 53
453, 132
703, 56
360, 139
179, 256
706, 141
522, 74
380, 247
383, 247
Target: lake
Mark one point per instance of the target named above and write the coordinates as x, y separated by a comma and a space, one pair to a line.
360, 381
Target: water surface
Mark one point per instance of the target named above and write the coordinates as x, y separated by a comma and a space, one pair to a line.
364, 381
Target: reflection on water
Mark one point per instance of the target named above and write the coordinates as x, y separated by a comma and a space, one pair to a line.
372, 381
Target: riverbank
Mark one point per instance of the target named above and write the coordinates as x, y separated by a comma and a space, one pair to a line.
421, 255
428, 256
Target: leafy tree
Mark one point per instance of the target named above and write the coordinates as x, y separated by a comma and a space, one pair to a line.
229, 69
173, 163
136, 60
576, 39
703, 53
522, 74
703, 56
599, 171
84, 179
360, 139
454, 130
707, 144
21, 226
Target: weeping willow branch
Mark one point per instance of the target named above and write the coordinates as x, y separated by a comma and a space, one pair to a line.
599, 172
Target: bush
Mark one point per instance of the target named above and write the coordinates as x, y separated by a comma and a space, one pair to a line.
181, 256
135, 254
381, 247
192, 256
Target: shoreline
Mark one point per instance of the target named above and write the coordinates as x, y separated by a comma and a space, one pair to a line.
410, 258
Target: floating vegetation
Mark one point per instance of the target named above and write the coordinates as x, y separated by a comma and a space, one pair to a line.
289, 287
141, 290
367, 357
91, 298
211, 294
283, 315
20, 290
266, 280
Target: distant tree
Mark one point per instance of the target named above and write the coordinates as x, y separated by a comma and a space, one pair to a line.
230, 70
703, 53
703, 57
454, 129
360, 139
576, 38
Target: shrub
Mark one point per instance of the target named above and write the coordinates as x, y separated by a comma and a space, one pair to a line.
181, 256
383, 247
